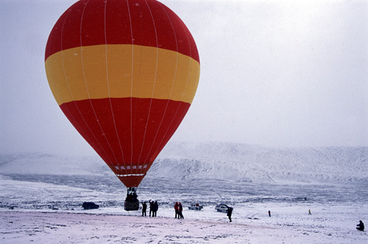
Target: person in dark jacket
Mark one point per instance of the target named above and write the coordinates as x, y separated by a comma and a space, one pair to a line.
151, 208
144, 208
229, 212
154, 208
180, 211
360, 226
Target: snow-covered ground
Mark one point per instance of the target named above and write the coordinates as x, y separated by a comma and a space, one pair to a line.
41, 197
288, 224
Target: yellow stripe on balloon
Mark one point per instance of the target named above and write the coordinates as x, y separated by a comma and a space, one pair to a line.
102, 71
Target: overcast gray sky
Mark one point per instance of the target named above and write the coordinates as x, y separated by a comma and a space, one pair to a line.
273, 73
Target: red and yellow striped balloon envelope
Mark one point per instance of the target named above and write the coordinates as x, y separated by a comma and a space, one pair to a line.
124, 72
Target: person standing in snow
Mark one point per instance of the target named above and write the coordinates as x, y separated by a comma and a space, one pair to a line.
155, 208
229, 212
180, 211
360, 226
144, 208
269, 213
176, 207
151, 207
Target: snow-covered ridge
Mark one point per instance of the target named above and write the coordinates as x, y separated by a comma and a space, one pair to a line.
223, 161
262, 164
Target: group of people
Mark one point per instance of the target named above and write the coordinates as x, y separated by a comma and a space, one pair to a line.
153, 208
178, 210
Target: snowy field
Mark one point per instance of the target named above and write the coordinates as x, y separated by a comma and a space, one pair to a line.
41, 197
288, 224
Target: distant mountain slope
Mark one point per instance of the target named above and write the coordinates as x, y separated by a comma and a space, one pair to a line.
262, 164
224, 161
38, 163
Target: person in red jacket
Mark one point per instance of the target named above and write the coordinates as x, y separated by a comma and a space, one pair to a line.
176, 207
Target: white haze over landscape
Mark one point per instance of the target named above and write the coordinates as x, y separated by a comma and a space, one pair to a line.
279, 123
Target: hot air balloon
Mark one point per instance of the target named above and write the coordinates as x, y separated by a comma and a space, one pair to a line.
124, 72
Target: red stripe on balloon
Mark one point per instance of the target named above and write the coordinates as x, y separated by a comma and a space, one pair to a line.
139, 22
126, 131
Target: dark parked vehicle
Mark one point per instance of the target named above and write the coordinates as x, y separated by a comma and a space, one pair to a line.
222, 208
90, 205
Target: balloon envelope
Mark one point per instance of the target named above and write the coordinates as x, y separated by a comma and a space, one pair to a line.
124, 72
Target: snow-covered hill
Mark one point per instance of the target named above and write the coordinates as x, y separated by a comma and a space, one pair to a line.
221, 161
261, 164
